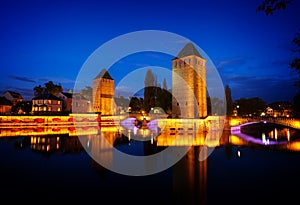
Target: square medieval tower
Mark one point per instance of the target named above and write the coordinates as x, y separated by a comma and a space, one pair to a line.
189, 84
103, 92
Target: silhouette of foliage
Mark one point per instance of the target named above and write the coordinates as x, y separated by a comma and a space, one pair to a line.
269, 6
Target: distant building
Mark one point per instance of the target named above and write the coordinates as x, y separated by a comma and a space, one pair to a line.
103, 92
13, 97
66, 100
189, 84
80, 104
5, 106
280, 109
121, 105
46, 104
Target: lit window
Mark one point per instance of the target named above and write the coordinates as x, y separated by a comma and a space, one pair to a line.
58, 109
44, 109
45, 101
49, 108
49, 101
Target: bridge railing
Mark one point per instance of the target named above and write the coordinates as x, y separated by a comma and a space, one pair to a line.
286, 121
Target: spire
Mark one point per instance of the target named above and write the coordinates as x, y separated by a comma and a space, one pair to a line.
188, 50
104, 74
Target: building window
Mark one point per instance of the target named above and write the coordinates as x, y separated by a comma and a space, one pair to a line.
49, 101
45, 109
58, 109
49, 108
45, 101
58, 102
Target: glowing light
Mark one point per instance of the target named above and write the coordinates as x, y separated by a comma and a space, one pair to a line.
264, 140
239, 153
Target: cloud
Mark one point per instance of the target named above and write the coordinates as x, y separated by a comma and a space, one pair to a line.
234, 62
270, 89
22, 78
126, 91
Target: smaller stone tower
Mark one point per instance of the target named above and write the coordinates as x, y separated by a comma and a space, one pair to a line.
103, 92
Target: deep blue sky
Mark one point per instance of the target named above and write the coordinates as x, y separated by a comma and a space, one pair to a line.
51, 40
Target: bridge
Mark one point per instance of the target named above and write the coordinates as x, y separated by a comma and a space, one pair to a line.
236, 123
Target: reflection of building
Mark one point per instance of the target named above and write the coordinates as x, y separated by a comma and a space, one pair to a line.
189, 84
190, 177
13, 97
46, 103
103, 92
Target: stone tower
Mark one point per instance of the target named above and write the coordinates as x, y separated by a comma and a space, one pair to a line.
189, 84
103, 92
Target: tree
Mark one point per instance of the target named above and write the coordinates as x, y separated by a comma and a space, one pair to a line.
269, 6
38, 90
136, 104
250, 106
49, 88
228, 101
295, 64
150, 89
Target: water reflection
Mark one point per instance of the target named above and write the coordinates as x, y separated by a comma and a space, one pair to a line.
189, 176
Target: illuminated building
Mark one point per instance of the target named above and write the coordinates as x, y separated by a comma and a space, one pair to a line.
189, 84
103, 92
13, 97
46, 104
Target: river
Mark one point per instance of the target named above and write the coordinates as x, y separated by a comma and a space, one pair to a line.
58, 168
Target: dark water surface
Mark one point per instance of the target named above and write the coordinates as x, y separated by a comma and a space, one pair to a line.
234, 173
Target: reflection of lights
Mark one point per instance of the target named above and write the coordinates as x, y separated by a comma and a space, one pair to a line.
264, 140
288, 134
275, 134
239, 153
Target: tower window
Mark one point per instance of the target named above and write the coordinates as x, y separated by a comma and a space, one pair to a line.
177, 104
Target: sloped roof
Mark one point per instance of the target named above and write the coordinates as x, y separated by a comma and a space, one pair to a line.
68, 95
188, 50
104, 74
46, 97
14, 94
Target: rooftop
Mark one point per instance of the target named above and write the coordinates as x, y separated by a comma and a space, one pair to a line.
188, 50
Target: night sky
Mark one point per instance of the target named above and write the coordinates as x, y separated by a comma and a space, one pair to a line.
51, 40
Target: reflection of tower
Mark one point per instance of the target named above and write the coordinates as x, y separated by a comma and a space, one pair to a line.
103, 92
190, 177
189, 66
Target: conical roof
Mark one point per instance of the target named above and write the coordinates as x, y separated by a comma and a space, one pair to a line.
188, 50
104, 74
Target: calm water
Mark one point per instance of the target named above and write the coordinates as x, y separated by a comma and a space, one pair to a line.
56, 168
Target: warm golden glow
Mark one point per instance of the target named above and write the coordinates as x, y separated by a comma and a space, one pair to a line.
235, 140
